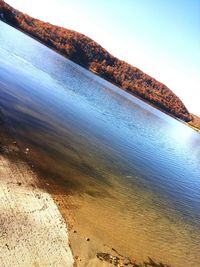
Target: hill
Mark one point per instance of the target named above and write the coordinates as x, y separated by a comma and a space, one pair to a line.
86, 52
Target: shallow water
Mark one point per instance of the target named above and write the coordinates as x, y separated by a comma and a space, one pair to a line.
134, 168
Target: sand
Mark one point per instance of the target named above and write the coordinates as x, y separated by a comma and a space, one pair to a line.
32, 230
38, 226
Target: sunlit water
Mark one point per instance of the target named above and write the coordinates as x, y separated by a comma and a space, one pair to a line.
134, 168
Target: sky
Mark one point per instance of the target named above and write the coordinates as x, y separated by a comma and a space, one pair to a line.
161, 37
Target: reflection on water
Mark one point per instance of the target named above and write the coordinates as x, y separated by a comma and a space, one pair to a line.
133, 167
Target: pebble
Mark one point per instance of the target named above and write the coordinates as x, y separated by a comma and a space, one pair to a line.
126, 261
27, 150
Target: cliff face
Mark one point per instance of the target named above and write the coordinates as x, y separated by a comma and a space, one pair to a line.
86, 52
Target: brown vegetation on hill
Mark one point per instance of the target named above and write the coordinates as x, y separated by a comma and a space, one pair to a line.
86, 52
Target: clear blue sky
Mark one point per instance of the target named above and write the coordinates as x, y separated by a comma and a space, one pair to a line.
161, 37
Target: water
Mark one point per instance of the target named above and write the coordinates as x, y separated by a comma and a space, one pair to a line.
134, 168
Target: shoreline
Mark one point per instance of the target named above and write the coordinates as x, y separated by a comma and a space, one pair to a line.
77, 248
50, 242
33, 232
86, 250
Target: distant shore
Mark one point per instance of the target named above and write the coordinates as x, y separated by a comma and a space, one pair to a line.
92, 56
194, 123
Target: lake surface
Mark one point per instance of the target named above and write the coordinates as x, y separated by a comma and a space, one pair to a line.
134, 171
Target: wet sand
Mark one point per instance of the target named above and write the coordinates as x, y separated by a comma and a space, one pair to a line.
37, 216
33, 231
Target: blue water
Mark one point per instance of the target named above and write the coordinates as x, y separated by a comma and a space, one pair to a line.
83, 126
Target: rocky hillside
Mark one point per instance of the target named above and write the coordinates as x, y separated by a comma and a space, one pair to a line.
86, 52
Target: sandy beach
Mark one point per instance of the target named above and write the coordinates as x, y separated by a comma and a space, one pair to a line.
44, 224
32, 230
37, 223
